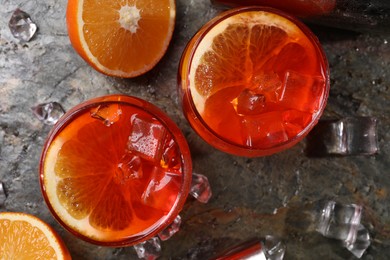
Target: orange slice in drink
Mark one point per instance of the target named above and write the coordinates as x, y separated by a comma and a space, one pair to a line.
121, 38
24, 236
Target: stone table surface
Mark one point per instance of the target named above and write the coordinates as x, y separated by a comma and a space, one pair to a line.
251, 197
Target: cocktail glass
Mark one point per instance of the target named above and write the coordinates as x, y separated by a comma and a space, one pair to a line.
262, 105
115, 171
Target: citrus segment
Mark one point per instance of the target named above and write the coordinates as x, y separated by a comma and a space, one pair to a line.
255, 66
121, 38
112, 181
24, 236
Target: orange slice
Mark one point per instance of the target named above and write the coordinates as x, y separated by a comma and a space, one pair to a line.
249, 49
24, 236
121, 38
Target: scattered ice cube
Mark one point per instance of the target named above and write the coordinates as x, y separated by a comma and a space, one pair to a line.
274, 248
162, 189
108, 114
200, 188
348, 136
264, 130
363, 241
147, 138
302, 92
48, 113
2, 194
148, 250
129, 167
21, 26
339, 221
170, 230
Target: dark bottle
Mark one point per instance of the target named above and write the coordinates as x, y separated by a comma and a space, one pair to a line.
357, 15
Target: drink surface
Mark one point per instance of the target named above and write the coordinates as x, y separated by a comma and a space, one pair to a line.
112, 172
256, 78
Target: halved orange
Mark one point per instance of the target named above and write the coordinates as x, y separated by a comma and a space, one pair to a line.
23, 236
121, 38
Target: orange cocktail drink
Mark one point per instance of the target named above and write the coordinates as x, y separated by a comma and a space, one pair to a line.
115, 170
253, 81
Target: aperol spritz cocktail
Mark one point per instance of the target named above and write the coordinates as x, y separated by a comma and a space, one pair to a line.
253, 81
115, 170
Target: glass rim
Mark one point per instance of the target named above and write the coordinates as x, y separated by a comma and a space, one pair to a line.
170, 126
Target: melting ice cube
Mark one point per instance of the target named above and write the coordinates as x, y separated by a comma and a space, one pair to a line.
161, 190
48, 113
302, 92
147, 138
170, 230
148, 250
108, 114
21, 26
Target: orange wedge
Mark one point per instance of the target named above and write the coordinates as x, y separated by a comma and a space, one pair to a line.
121, 38
23, 236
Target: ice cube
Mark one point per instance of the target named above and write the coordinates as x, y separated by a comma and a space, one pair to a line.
171, 156
249, 103
295, 121
170, 230
200, 188
363, 241
339, 221
129, 167
162, 189
274, 248
148, 250
264, 130
302, 92
147, 137
269, 85
21, 26
108, 114
347, 136
48, 113
2, 194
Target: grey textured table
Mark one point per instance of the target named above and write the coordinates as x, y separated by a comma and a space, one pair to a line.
246, 191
